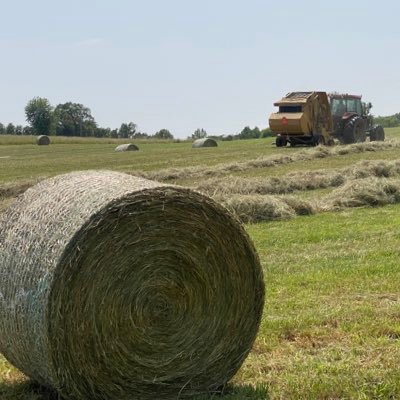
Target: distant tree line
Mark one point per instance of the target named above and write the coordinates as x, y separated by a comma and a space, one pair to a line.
75, 119
246, 133
71, 119
389, 121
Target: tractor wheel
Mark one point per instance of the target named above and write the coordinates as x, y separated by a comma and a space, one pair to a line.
331, 142
354, 131
322, 140
281, 141
380, 133
372, 134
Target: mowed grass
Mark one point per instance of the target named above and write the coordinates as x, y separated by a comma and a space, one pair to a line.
23, 160
331, 323
28, 161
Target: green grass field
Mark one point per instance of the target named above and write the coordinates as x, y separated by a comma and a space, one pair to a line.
331, 324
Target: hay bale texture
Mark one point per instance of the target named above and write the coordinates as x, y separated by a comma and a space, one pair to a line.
43, 140
116, 287
127, 147
205, 142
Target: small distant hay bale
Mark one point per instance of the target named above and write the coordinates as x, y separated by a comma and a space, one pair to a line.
43, 140
206, 142
116, 287
127, 147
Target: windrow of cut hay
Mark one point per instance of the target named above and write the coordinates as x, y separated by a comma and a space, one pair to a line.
289, 183
257, 208
292, 182
15, 189
116, 287
299, 180
266, 162
366, 192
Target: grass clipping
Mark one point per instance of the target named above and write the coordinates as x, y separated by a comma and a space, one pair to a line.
117, 287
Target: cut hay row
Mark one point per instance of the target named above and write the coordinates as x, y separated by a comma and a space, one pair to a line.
266, 162
299, 181
257, 208
115, 287
367, 192
289, 183
13, 190
371, 192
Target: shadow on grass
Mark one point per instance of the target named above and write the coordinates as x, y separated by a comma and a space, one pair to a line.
29, 390
26, 390
242, 392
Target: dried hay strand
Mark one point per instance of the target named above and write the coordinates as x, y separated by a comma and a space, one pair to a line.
126, 147
43, 140
205, 142
363, 192
115, 287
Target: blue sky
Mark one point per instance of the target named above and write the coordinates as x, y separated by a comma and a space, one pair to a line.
182, 65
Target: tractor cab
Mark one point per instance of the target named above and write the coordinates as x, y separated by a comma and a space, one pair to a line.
352, 121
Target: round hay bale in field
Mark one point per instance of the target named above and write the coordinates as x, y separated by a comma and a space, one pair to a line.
127, 147
116, 287
206, 142
43, 140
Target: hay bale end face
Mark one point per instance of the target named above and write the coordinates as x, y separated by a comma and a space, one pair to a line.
43, 140
116, 287
206, 142
127, 147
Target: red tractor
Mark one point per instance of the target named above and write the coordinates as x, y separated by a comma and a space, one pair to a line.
352, 122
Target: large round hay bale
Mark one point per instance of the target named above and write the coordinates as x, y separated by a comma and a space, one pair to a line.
127, 147
206, 142
116, 287
43, 140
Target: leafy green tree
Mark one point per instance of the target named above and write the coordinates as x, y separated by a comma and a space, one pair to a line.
39, 113
248, 133
127, 130
74, 119
199, 134
102, 132
10, 129
163, 134
27, 130
18, 130
140, 135
266, 133
388, 121
2, 129
114, 133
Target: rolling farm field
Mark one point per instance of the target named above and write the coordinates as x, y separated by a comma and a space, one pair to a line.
326, 224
